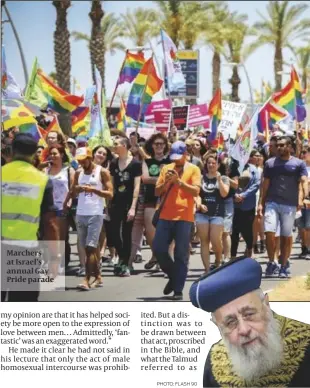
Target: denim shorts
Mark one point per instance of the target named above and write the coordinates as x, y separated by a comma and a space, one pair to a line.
303, 222
229, 215
284, 215
89, 229
205, 219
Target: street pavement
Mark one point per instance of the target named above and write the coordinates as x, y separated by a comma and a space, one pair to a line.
147, 286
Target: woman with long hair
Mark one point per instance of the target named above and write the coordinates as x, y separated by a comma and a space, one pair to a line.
61, 176
198, 149
157, 148
210, 211
103, 157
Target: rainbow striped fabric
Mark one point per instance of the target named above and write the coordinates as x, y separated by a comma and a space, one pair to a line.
215, 110
218, 143
290, 97
132, 65
78, 120
58, 100
31, 128
269, 114
145, 86
121, 117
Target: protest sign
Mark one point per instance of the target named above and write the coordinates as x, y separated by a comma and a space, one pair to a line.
146, 133
162, 120
231, 118
198, 115
180, 117
153, 107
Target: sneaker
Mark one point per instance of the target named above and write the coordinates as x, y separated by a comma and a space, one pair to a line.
138, 258
168, 288
81, 271
298, 239
272, 270
303, 253
256, 251
283, 272
213, 267
307, 255
151, 263
225, 260
117, 269
125, 271
177, 296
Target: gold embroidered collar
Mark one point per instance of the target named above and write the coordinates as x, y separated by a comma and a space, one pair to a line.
296, 337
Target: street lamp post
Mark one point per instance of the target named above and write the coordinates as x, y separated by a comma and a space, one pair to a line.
18, 43
231, 64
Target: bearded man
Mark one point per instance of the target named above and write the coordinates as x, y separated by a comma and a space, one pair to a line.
259, 348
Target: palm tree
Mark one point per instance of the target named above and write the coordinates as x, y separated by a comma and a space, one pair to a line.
187, 16
171, 18
111, 31
216, 31
62, 56
140, 25
235, 41
303, 58
280, 29
96, 45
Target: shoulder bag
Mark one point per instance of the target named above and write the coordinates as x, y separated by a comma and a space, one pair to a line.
158, 211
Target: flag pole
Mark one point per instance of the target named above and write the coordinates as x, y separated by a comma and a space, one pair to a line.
166, 74
143, 93
112, 99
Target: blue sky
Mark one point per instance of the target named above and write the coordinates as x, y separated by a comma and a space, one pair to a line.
35, 23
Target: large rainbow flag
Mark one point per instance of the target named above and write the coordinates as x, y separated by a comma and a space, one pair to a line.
215, 110
290, 97
145, 86
268, 115
132, 65
58, 100
79, 121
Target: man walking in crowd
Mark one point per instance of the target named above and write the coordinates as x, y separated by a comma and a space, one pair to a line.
126, 173
92, 185
259, 348
27, 196
180, 182
285, 187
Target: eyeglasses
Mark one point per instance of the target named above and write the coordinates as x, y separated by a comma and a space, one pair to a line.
232, 323
158, 144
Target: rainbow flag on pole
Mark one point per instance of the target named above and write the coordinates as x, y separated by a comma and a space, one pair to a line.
121, 117
58, 100
131, 68
145, 86
78, 120
268, 115
215, 110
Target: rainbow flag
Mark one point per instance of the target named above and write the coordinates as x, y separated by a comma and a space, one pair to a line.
268, 115
297, 87
132, 65
145, 86
215, 110
31, 128
218, 143
121, 117
78, 120
58, 100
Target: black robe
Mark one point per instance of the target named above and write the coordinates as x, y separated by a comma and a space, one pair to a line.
294, 371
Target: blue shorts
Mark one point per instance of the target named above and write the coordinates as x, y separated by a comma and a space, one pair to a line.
201, 218
303, 222
282, 215
229, 215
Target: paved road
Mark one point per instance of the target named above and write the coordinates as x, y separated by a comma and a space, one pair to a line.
148, 285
